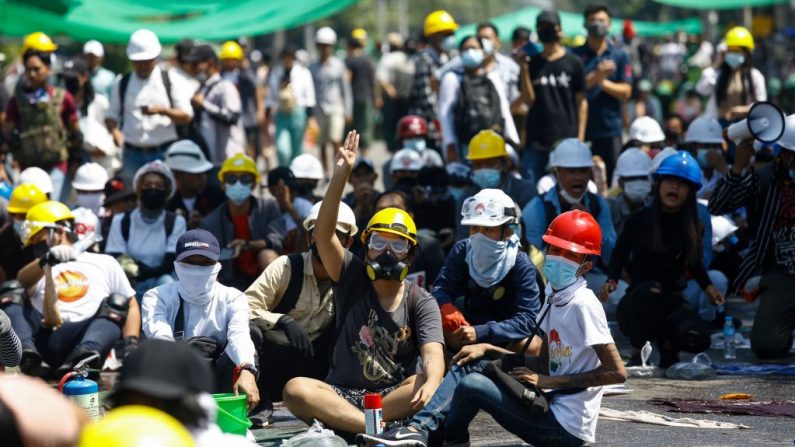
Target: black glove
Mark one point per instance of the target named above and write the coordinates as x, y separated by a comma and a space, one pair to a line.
299, 340
130, 345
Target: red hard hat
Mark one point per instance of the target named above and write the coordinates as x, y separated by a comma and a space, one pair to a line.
575, 231
412, 126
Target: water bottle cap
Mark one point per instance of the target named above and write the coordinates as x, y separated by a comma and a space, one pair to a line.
372, 401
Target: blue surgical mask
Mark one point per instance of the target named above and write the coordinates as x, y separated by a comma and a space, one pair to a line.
489, 260
560, 272
456, 193
486, 177
238, 193
448, 44
472, 58
418, 144
734, 59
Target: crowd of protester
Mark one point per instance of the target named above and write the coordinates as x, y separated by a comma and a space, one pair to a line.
530, 196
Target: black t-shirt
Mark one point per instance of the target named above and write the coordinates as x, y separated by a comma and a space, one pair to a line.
362, 77
554, 113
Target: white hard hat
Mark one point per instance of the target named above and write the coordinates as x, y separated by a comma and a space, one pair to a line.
658, 159
704, 130
38, 177
571, 153
187, 156
143, 46
326, 36
787, 140
633, 162
489, 208
307, 166
94, 47
90, 177
646, 130
157, 167
722, 227
346, 220
406, 160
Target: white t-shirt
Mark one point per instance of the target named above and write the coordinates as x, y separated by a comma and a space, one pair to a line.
147, 242
575, 323
82, 284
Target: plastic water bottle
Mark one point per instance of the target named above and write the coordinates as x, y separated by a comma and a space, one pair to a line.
729, 346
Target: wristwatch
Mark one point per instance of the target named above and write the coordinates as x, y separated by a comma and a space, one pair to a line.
248, 367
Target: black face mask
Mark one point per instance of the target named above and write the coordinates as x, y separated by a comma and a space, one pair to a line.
303, 189
387, 266
597, 28
153, 198
407, 182
548, 35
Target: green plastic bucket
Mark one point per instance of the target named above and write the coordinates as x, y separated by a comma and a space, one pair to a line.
232, 414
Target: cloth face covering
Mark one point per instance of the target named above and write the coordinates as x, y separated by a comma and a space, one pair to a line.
196, 281
489, 260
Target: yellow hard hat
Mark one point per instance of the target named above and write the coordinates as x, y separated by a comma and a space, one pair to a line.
231, 50
38, 41
44, 215
359, 34
740, 37
393, 221
439, 22
24, 197
136, 426
486, 144
239, 163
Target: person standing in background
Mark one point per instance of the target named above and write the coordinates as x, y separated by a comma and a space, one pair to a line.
394, 74
252, 92
101, 78
366, 95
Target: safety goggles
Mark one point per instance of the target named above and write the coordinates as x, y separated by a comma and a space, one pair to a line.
380, 243
244, 179
489, 209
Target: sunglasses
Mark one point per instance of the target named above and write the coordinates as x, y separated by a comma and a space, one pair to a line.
380, 243
245, 179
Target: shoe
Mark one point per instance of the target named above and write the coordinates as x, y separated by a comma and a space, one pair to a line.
32, 364
260, 416
398, 437
69, 364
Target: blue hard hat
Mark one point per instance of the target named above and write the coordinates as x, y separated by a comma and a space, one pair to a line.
682, 165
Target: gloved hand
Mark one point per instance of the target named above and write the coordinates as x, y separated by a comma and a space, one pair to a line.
57, 255
299, 340
452, 318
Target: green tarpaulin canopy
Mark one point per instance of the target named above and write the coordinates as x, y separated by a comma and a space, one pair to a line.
572, 24
113, 21
721, 4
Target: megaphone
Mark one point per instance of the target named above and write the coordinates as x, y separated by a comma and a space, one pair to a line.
765, 123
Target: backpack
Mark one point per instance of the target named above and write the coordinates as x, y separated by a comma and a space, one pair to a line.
477, 108
42, 136
171, 218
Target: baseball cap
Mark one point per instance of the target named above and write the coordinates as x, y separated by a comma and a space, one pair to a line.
198, 242
118, 188
74, 67
166, 370
548, 16
281, 173
363, 162
187, 156
201, 52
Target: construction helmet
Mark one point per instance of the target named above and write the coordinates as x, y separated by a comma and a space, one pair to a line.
486, 144
45, 215
346, 220
326, 36
90, 177
393, 221
412, 126
406, 160
571, 153
633, 162
681, 165
231, 50
575, 231
489, 208
239, 163
38, 41
646, 130
143, 46
359, 34
438, 22
24, 197
704, 130
307, 166
38, 177
124, 427
739, 37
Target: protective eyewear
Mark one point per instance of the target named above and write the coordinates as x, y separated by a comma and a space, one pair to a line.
380, 243
245, 179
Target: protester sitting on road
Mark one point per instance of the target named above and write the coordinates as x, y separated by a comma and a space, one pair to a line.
292, 313
387, 326
658, 247
704, 140
149, 233
282, 186
251, 226
646, 134
578, 357
196, 196
121, 427
487, 290
632, 170
202, 312
767, 271
15, 254
80, 303
412, 133
119, 198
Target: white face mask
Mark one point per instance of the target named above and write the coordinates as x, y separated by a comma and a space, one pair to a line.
637, 190
196, 281
92, 201
570, 198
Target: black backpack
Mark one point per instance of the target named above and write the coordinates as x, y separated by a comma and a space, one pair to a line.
477, 108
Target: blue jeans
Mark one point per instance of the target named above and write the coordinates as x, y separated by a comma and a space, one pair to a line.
95, 334
133, 159
699, 301
435, 411
143, 286
476, 392
289, 138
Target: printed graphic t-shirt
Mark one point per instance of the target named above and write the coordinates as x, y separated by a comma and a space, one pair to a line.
377, 349
783, 249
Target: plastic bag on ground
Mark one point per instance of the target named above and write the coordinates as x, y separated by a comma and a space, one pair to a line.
700, 368
316, 436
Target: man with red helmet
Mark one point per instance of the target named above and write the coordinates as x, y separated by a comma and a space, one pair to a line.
578, 357
412, 133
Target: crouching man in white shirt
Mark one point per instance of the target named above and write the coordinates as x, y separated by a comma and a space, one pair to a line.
206, 314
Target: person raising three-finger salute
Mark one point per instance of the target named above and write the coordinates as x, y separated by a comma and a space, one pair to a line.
385, 323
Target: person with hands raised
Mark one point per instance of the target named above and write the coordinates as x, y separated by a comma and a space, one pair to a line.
389, 331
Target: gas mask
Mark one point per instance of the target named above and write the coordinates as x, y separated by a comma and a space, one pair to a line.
387, 266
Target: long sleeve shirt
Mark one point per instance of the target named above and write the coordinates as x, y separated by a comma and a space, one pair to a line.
224, 319
220, 124
300, 81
